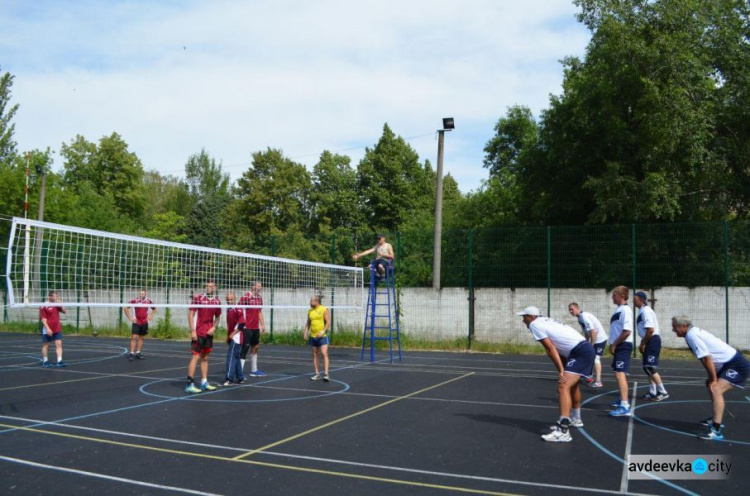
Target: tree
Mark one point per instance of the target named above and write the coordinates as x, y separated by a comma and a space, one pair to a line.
7, 112
515, 135
334, 199
208, 188
392, 184
109, 168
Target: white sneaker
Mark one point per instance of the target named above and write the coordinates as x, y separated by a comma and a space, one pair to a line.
316, 377
576, 422
557, 436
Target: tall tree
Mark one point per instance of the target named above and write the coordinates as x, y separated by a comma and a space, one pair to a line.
334, 199
209, 192
7, 112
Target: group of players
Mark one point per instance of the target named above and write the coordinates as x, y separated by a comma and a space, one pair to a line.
577, 357
245, 324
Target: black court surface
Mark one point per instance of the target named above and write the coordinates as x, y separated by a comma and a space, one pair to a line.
436, 423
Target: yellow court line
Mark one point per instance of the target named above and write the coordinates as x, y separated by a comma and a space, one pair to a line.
342, 419
101, 376
267, 464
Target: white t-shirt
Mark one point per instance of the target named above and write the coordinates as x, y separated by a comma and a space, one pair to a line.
563, 337
588, 323
621, 320
646, 318
703, 343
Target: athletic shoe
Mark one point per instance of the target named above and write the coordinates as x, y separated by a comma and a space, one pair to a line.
712, 435
316, 377
226, 383
556, 435
589, 380
660, 396
595, 384
190, 388
620, 411
207, 386
576, 422
708, 422
139, 356
47, 365
326, 378
258, 373
649, 396
615, 403
241, 381
131, 357
61, 364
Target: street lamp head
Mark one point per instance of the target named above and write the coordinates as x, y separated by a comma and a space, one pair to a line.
448, 123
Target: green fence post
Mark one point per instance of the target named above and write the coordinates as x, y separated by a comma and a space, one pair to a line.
726, 279
5, 307
333, 287
635, 334
273, 285
549, 271
470, 274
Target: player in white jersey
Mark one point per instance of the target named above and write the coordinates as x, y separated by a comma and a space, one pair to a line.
595, 335
621, 347
564, 345
650, 347
726, 368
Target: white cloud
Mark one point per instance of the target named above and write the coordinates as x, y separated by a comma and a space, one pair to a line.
298, 75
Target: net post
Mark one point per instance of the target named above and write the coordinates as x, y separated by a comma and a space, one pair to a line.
273, 286
333, 286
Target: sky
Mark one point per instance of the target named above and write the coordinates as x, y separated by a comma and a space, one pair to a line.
237, 77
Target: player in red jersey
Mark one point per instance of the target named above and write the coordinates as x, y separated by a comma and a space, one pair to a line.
235, 326
255, 325
140, 323
203, 318
52, 330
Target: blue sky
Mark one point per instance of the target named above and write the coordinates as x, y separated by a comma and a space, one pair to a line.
235, 77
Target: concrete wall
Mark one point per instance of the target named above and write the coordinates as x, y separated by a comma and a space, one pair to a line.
444, 314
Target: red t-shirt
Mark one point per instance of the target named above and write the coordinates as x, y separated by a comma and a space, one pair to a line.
141, 313
204, 317
234, 316
252, 315
52, 314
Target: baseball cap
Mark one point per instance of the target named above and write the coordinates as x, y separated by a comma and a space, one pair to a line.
530, 310
642, 295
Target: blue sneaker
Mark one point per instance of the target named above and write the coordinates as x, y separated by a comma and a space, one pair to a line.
47, 365
258, 373
190, 388
615, 404
620, 411
712, 434
61, 365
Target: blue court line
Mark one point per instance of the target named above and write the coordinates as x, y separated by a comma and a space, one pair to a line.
675, 431
38, 361
621, 460
180, 398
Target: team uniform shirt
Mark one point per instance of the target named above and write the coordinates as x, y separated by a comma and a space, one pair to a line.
703, 343
646, 318
252, 315
563, 337
317, 320
235, 317
141, 313
589, 322
52, 314
203, 319
621, 320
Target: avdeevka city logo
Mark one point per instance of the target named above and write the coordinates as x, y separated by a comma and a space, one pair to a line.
696, 467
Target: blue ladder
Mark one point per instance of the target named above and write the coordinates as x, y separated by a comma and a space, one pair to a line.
381, 304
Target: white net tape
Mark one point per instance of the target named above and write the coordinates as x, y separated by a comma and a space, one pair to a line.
89, 268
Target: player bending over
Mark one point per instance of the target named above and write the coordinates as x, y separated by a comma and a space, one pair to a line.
733, 369
140, 322
573, 358
203, 322
52, 330
316, 328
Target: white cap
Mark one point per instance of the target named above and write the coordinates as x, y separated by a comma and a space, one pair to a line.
530, 310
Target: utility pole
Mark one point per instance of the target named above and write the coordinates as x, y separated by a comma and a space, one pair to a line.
437, 243
41, 170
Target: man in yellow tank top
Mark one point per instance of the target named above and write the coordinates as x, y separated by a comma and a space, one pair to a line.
316, 330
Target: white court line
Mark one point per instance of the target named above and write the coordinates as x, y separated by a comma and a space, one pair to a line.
104, 476
628, 443
331, 460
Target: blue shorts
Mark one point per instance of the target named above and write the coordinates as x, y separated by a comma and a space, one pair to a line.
318, 342
581, 359
46, 338
735, 371
652, 351
621, 358
599, 348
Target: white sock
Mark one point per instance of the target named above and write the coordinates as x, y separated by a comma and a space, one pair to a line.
204, 381
625, 404
652, 389
253, 362
661, 388
575, 413
59, 358
44, 359
242, 364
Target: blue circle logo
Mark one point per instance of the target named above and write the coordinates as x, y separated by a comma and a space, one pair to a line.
700, 466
